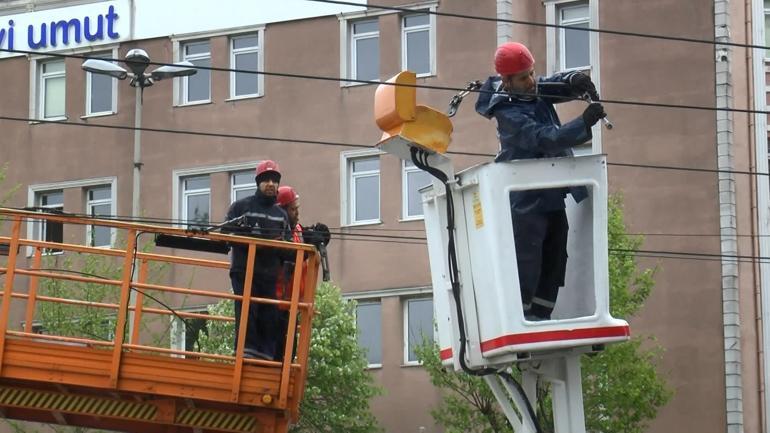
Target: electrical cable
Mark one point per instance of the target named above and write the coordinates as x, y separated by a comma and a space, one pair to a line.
704, 256
532, 414
340, 231
377, 82
185, 132
342, 144
420, 160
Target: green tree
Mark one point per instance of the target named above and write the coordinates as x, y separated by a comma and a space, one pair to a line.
8, 194
338, 388
622, 390
5, 196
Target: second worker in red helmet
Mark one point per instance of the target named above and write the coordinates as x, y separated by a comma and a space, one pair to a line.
528, 127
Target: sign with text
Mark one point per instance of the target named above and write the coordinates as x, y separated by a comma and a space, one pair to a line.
65, 28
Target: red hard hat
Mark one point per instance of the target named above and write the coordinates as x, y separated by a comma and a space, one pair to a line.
267, 166
286, 195
512, 58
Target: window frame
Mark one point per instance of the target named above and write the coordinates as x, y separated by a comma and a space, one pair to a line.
553, 61
42, 225
405, 170
347, 18
178, 174
370, 301
82, 184
259, 33
405, 315
234, 188
431, 28
186, 194
184, 81
110, 53
765, 15
347, 192
40, 79
561, 33
353, 66
90, 204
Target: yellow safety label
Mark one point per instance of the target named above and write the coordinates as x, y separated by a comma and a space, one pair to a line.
478, 214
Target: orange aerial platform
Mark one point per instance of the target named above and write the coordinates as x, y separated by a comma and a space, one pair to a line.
126, 384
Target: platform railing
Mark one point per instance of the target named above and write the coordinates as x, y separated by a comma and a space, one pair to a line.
136, 261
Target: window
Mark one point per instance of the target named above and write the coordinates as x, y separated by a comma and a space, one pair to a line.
191, 190
197, 88
365, 50
196, 193
418, 326
100, 91
51, 89
412, 180
242, 185
369, 326
574, 45
244, 55
416, 44
767, 27
364, 190
99, 203
50, 231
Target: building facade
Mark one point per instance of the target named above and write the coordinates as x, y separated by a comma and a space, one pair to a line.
310, 111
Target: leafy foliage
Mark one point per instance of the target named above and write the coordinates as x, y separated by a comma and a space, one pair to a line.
621, 387
6, 195
338, 388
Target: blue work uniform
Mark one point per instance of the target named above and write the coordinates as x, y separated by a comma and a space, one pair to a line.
262, 219
528, 128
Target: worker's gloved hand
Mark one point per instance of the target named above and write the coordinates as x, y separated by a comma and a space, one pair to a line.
317, 234
593, 113
582, 84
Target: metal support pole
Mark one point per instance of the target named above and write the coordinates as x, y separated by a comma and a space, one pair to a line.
136, 192
563, 374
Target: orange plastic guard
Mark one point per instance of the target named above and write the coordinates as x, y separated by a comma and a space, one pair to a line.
394, 105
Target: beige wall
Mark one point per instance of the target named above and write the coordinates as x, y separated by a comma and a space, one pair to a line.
685, 310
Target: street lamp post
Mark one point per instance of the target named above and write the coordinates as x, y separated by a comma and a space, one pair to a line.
137, 61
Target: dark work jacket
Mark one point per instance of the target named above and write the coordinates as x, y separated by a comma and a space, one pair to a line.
262, 219
529, 128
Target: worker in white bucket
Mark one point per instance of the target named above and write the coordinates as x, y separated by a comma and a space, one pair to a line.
528, 127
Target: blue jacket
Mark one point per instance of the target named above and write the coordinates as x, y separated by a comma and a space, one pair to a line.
263, 219
529, 128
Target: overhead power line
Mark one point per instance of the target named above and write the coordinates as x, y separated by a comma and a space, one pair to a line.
334, 143
419, 86
555, 26
420, 240
185, 132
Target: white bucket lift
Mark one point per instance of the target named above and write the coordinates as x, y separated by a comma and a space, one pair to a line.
495, 332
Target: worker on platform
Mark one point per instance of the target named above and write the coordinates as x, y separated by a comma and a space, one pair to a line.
528, 127
258, 216
317, 234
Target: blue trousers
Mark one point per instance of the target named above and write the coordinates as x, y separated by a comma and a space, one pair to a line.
541, 256
262, 327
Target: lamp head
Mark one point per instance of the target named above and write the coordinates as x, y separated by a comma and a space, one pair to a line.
103, 67
180, 69
137, 60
